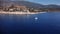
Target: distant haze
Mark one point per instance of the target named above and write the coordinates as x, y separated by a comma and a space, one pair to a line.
11, 0
45, 2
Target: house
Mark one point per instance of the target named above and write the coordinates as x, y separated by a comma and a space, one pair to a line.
15, 8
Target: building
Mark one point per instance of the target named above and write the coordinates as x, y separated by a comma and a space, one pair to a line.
15, 8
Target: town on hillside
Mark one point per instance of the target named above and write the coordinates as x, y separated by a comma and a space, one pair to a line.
15, 8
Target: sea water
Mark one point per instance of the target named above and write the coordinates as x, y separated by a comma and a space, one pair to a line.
42, 23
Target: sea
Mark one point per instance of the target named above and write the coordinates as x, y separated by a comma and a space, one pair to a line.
42, 23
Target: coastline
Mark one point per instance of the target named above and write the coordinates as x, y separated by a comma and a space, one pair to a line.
17, 13
3, 12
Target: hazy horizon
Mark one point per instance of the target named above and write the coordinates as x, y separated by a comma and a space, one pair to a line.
44, 2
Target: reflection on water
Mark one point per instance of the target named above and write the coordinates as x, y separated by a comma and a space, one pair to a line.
47, 23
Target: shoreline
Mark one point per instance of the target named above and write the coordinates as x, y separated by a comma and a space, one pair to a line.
3, 12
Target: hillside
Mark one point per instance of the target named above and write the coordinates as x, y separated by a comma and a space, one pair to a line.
29, 4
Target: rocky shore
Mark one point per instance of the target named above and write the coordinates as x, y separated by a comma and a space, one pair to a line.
3, 12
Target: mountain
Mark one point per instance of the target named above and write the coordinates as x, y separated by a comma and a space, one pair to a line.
23, 3
28, 4
52, 6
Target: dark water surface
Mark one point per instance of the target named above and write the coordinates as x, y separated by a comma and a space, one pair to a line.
46, 23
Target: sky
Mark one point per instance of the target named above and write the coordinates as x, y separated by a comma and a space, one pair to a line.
45, 2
